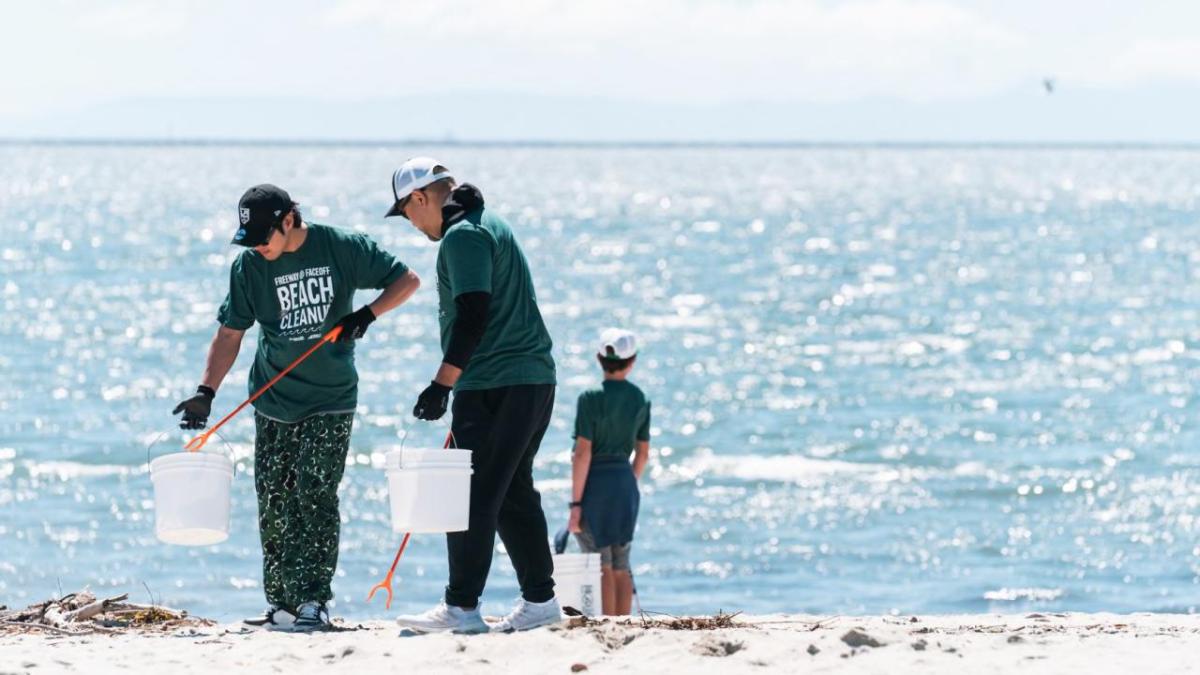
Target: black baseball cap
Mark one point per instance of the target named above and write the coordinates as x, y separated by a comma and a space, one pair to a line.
260, 209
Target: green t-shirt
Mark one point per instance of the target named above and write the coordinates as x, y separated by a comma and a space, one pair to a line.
296, 300
480, 253
613, 417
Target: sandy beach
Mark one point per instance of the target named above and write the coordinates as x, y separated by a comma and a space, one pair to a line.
1032, 643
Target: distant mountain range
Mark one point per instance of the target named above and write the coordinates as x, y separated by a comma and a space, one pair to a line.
1139, 116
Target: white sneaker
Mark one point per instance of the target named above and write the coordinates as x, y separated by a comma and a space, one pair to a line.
273, 618
310, 617
528, 615
445, 618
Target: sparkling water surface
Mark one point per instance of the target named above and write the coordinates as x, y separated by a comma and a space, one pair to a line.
884, 379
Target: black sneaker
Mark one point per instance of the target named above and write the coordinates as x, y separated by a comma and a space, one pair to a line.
311, 616
274, 617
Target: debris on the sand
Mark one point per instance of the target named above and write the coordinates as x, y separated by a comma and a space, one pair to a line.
812, 649
920, 645
857, 638
83, 613
578, 667
577, 622
1015, 639
718, 621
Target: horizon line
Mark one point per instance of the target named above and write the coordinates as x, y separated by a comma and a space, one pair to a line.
600, 144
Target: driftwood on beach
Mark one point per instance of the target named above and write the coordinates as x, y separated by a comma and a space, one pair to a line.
83, 613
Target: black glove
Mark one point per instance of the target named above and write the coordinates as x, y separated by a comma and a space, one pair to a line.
196, 409
432, 402
354, 325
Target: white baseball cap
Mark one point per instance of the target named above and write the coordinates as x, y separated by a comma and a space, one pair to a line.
617, 344
414, 174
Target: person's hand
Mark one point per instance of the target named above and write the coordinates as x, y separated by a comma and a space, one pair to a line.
354, 325
432, 402
575, 522
196, 409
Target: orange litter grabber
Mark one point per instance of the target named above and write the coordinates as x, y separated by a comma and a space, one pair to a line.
198, 442
386, 584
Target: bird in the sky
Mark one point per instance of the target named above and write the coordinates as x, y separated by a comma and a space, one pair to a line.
1048, 83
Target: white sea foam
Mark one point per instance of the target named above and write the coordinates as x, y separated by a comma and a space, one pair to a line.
773, 468
1032, 594
71, 470
554, 485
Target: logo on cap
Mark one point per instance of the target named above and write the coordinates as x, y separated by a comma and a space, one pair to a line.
244, 212
241, 233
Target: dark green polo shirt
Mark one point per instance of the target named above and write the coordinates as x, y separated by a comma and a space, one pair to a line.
480, 253
296, 300
613, 417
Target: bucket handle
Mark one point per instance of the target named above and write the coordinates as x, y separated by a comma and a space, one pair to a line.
450, 443
158, 439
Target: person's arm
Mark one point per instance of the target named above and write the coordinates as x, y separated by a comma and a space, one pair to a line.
221, 354
447, 375
395, 294
354, 325
580, 462
235, 317
640, 458
641, 444
470, 321
469, 259
373, 267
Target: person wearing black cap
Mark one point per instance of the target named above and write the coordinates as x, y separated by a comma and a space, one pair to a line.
496, 358
297, 281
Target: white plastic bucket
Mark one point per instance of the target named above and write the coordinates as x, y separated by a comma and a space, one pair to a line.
191, 497
577, 582
429, 489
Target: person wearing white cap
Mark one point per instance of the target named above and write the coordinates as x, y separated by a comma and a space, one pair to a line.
612, 422
496, 359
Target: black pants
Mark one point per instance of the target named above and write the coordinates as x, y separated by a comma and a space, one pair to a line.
503, 428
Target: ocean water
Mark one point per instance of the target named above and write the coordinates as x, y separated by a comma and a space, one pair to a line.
884, 379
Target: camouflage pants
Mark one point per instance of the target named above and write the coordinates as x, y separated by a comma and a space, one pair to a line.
297, 468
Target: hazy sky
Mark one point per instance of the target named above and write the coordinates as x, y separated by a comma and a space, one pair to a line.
62, 55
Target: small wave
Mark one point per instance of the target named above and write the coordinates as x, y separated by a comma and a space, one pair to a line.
778, 468
1152, 355
970, 469
69, 470
673, 321
554, 485
1014, 594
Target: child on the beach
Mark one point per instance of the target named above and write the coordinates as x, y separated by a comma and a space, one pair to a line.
611, 423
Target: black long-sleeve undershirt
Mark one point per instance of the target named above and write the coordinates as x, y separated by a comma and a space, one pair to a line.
470, 320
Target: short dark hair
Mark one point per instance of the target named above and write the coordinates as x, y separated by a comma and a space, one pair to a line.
448, 181
296, 219
611, 365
